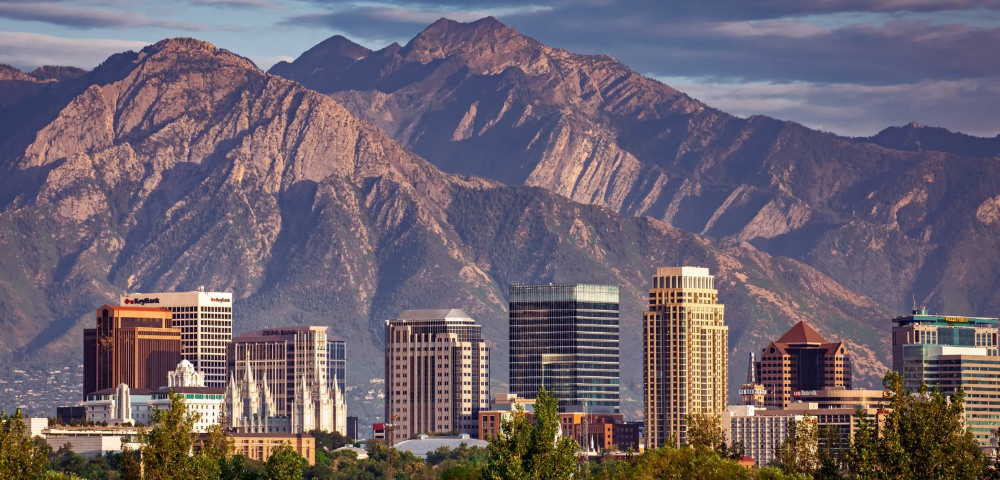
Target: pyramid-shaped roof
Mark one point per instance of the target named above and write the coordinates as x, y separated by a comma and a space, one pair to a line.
800, 334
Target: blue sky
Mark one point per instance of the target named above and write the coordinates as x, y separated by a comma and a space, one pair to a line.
851, 67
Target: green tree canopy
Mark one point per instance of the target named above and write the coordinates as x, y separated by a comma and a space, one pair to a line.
922, 435
20, 457
528, 451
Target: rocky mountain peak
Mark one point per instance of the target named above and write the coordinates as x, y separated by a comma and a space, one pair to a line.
447, 37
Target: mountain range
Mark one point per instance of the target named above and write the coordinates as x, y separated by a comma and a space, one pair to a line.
350, 184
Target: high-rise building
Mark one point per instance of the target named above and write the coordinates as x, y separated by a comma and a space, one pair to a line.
336, 359
802, 360
206, 322
565, 337
685, 351
437, 369
752, 392
951, 352
136, 346
282, 373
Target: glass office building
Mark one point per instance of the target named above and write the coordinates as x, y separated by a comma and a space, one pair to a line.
949, 352
336, 362
565, 337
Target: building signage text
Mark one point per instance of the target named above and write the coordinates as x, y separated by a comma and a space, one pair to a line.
141, 301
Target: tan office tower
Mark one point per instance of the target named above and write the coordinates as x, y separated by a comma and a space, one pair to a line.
136, 346
206, 320
685, 353
437, 369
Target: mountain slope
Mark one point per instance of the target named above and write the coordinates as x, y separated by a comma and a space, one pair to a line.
480, 98
915, 137
184, 165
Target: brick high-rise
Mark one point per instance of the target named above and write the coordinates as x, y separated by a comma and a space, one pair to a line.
137, 346
685, 351
802, 360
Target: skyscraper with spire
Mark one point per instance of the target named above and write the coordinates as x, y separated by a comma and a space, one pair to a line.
262, 363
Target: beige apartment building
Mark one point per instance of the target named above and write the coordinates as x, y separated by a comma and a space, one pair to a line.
437, 373
685, 345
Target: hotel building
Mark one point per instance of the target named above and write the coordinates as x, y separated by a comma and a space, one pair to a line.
565, 337
437, 373
282, 374
948, 353
802, 360
136, 346
206, 322
685, 351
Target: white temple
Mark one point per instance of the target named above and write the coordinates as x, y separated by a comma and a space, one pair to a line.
250, 405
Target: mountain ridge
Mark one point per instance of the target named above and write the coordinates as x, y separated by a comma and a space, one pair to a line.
589, 128
183, 165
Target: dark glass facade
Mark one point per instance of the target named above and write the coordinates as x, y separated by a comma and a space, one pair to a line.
336, 358
565, 337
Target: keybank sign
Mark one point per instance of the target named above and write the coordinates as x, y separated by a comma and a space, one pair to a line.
141, 301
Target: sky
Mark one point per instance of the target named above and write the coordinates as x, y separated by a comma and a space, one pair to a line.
852, 67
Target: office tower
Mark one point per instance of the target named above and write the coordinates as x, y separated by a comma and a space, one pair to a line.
685, 353
136, 346
437, 373
950, 352
565, 337
336, 358
802, 360
206, 322
282, 373
752, 392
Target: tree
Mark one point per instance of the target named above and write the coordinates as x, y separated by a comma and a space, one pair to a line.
797, 453
284, 464
217, 445
523, 450
830, 454
166, 446
704, 432
923, 435
20, 456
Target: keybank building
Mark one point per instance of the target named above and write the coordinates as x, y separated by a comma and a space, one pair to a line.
951, 352
565, 337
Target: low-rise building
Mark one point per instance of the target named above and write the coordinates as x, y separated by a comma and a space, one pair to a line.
91, 441
259, 446
760, 435
118, 406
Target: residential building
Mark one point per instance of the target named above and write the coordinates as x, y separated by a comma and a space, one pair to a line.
565, 337
761, 431
949, 352
279, 383
136, 346
206, 323
685, 352
437, 373
802, 360
259, 446
336, 359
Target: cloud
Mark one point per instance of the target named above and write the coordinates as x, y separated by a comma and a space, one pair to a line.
86, 18
235, 3
858, 110
31, 50
399, 23
777, 28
